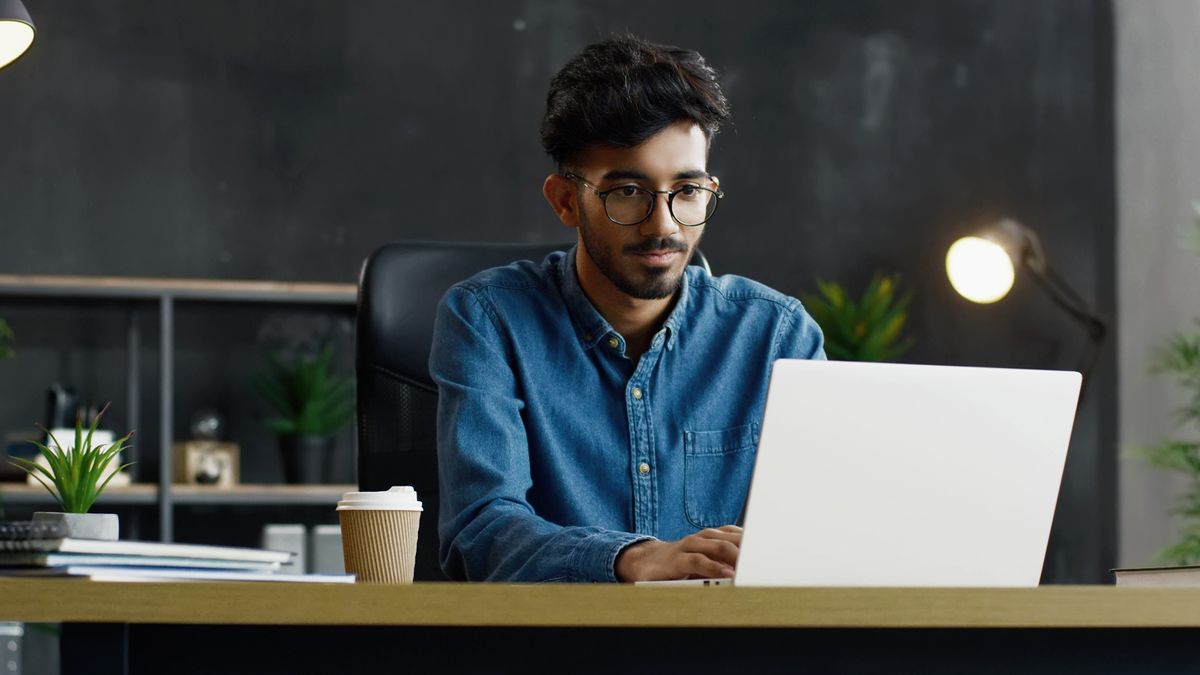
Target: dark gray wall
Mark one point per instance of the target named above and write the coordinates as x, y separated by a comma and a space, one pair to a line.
286, 140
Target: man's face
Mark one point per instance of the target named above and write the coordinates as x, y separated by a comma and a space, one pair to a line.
647, 260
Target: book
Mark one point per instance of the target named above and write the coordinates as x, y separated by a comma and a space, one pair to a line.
112, 573
145, 548
1183, 575
24, 530
27, 559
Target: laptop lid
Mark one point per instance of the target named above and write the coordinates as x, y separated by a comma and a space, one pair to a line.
903, 475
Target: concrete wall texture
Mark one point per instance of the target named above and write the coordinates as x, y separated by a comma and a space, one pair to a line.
1158, 271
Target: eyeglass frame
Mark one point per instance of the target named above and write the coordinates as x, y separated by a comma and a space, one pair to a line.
603, 195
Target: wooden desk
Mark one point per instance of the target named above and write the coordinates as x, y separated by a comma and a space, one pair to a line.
184, 628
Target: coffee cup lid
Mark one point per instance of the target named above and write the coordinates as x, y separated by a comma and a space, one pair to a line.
398, 498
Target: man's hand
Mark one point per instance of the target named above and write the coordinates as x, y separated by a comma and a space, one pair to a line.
708, 554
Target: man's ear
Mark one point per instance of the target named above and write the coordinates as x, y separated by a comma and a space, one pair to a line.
562, 195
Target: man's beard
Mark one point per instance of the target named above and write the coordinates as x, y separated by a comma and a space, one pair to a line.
659, 284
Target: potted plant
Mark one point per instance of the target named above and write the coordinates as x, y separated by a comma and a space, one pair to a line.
310, 405
1179, 359
75, 475
867, 330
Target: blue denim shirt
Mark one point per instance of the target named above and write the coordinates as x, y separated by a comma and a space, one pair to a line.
556, 451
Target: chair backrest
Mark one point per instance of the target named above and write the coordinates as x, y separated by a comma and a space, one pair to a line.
398, 293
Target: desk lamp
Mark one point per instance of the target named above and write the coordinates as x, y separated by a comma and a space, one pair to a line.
16, 31
982, 269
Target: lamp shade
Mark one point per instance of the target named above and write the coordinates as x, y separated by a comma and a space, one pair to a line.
16, 31
980, 269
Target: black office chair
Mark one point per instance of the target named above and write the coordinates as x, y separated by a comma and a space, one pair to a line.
398, 293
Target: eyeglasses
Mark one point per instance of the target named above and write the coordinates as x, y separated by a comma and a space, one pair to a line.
690, 205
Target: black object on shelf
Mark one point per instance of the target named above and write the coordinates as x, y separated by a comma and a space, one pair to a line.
307, 459
61, 406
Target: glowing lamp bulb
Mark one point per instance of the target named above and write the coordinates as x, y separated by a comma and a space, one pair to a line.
15, 38
979, 269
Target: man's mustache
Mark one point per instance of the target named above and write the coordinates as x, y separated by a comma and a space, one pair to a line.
657, 246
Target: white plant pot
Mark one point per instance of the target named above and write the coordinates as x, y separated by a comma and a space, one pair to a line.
83, 525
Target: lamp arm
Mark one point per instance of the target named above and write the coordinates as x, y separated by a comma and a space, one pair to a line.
1070, 302
1075, 306
1033, 257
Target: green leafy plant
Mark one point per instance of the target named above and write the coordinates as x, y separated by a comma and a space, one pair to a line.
870, 329
307, 398
6, 340
1179, 359
75, 475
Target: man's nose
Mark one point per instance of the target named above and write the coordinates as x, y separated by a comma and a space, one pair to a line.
660, 224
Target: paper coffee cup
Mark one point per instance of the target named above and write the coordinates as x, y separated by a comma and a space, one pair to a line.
379, 534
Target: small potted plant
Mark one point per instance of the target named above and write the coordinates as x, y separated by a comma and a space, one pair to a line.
870, 329
310, 405
75, 475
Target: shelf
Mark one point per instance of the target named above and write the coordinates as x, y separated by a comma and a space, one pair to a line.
262, 494
291, 495
183, 289
20, 493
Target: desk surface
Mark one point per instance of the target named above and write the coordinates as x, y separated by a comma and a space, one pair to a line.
71, 600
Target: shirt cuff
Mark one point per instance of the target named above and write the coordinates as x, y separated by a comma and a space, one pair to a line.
595, 558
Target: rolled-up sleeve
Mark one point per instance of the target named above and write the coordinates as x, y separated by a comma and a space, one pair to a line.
799, 336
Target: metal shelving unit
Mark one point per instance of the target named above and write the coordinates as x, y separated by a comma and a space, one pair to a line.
166, 294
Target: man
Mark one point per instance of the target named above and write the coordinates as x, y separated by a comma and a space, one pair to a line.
598, 411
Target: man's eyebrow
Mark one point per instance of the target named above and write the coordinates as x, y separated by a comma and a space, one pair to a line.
633, 174
624, 174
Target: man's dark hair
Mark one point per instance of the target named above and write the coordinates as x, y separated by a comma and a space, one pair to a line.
622, 91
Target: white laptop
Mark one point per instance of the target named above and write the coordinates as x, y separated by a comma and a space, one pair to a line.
903, 475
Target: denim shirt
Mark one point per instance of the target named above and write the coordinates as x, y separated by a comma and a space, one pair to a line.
556, 451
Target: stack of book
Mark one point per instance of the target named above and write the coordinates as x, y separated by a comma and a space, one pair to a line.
30, 549
1181, 575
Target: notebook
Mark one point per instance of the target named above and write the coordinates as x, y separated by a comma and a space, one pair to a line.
31, 537
107, 573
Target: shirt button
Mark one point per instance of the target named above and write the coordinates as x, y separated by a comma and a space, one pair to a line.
643, 468
614, 342
637, 393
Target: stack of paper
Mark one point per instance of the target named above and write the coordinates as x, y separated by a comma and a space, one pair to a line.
146, 561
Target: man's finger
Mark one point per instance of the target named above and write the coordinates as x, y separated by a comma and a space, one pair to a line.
722, 551
721, 534
701, 566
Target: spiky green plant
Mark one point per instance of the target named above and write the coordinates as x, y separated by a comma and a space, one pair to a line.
6, 340
1179, 359
307, 398
870, 329
75, 474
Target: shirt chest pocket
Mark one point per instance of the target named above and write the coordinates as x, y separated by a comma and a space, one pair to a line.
717, 468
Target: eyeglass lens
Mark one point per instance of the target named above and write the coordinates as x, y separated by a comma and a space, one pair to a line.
631, 205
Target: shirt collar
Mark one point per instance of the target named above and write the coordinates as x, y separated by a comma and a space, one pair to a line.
675, 319
590, 326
